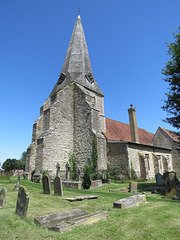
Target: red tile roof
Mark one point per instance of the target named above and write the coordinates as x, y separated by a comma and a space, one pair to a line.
119, 131
175, 136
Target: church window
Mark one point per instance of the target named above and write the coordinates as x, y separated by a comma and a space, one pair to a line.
46, 119
89, 77
147, 159
34, 132
61, 78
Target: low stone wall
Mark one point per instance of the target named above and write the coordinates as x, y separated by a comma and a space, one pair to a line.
71, 184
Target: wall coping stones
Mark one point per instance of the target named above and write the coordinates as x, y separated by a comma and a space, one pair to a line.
131, 201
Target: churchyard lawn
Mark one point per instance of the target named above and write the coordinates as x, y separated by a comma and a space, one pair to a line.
159, 218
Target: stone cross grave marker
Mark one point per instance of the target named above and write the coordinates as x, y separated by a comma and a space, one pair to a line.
58, 190
58, 170
17, 184
46, 185
2, 197
22, 202
68, 166
159, 179
79, 173
133, 187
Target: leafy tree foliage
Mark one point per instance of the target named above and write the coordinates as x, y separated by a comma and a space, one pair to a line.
12, 164
172, 73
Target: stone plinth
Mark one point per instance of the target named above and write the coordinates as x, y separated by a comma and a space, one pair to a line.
96, 184
72, 184
132, 201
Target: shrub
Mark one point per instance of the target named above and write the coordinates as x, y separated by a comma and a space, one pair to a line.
73, 170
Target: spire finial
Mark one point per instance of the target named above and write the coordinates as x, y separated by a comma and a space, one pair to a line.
79, 13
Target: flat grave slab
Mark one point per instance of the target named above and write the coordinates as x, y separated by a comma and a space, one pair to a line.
131, 201
79, 221
53, 219
80, 198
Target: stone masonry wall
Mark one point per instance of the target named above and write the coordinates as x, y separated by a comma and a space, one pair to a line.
117, 156
147, 160
161, 138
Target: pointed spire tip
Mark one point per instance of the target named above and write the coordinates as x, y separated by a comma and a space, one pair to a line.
79, 16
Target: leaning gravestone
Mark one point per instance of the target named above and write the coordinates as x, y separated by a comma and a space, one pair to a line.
133, 187
159, 179
22, 202
46, 185
2, 197
58, 190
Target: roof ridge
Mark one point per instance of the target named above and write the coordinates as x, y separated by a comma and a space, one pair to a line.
129, 125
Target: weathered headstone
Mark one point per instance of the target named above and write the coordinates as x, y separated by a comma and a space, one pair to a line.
2, 197
159, 179
132, 201
172, 185
46, 185
58, 170
58, 190
22, 202
68, 166
17, 184
79, 174
133, 187
96, 184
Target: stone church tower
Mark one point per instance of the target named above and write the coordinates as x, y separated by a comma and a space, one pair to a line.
72, 115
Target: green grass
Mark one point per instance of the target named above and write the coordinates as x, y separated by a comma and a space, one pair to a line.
159, 218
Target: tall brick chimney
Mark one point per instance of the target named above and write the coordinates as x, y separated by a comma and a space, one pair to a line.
133, 124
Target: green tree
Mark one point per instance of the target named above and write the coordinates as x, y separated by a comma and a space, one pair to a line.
94, 155
172, 73
22, 161
10, 164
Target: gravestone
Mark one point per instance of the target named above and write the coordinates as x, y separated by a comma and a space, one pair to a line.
46, 185
58, 190
2, 197
159, 179
172, 185
68, 166
132, 201
133, 187
17, 184
22, 202
58, 170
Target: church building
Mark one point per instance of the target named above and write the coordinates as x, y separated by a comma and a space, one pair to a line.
73, 116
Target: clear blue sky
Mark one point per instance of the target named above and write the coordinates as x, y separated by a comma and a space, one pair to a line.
126, 43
